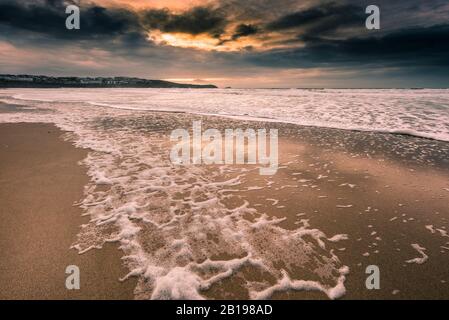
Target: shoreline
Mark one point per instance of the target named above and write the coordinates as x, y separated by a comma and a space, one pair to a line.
267, 120
396, 195
40, 180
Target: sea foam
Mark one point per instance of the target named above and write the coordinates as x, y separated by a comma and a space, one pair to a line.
180, 236
423, 113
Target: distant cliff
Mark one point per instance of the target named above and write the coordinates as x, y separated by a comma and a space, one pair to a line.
30, 81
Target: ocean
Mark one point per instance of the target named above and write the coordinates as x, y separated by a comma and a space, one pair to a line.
424, 112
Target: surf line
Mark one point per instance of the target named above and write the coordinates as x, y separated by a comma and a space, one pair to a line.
250, 147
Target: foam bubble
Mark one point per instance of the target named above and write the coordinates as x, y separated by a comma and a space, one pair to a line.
419, 260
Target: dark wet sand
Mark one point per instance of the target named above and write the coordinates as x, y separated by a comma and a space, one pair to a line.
40, 180
388, 208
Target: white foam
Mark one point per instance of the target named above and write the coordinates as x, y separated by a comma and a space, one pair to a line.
177, 284
285, 283
179, 236
423, 113
442, 232
338, 237
419, 260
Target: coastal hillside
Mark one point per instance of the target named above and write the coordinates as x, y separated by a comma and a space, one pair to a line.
32, 81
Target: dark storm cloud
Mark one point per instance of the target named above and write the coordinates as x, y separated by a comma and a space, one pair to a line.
194, 21
322, 18
48, 17
31, 16
404, 48
244, 30
312, 34
100, 20
418, 46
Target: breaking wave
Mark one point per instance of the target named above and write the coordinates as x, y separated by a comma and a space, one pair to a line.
422, 113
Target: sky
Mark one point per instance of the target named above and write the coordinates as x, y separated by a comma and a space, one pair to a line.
236, 43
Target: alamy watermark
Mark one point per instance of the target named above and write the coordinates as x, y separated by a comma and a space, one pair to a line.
373, 280
73, 20
238, 146
72, 282
373, 20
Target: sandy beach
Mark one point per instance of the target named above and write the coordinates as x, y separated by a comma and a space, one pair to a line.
40, 180
362, 189
105, 183
381, 203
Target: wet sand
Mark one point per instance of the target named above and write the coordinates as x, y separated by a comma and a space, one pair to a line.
40, 180
381, 203
386, 192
